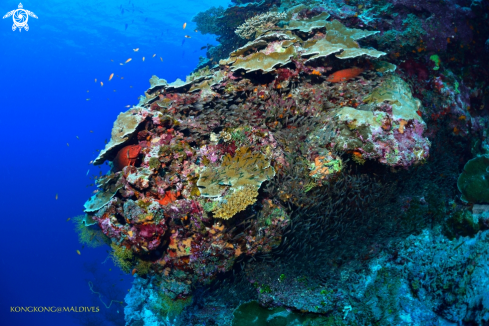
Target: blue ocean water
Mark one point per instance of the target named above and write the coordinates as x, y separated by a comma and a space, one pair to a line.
54, 116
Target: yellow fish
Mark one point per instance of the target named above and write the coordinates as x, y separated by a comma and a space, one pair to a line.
184, 25
67, 219
128, 60
110, 77
129, 233
101, 83
136, 49
154, 55
78, 252
56, 196
161, 59
143, 59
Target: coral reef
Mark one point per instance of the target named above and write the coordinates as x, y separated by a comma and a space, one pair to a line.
309, 165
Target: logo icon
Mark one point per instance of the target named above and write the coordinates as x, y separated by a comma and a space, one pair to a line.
20, 17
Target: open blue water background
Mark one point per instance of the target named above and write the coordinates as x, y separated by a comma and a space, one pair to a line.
45, 74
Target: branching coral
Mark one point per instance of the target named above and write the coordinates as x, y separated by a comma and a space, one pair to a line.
258, 23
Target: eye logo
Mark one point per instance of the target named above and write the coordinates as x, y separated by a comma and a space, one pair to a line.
20, 17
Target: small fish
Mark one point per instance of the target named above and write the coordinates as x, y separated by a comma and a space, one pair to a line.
128, 106
161, 59
133, 272
78, 252
95, 79
88, 91
110, 269
121, 64
128, 60
143, 59
196, 31
136, 49
106, 140
154, 55
184, 25
110, 77
95, 191
130, 233
91, 130
77, 137
68, 219
101, 84
187, 36
88, 99
67, 144
89, 170
204, 47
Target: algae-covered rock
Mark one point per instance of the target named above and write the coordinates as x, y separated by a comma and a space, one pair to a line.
461, 223
473, 182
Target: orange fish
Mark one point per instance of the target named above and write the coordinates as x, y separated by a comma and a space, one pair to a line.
462, 117
110, 77
344, 74
133, 271
419, 113
184, 25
